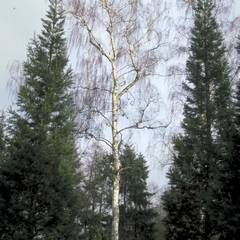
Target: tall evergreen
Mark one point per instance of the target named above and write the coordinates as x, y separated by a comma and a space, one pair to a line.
191, 202
230, 177
38, 178
137, 217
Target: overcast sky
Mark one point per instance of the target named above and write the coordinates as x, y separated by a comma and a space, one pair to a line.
19, 20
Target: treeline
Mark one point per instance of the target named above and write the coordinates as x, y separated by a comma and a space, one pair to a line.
138, 216
49, 191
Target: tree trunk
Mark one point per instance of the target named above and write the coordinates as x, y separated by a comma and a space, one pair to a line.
115, 200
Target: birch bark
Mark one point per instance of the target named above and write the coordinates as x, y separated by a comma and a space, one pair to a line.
119, 45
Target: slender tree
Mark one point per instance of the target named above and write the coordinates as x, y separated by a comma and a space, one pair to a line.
38, 180
191, 205
119, 45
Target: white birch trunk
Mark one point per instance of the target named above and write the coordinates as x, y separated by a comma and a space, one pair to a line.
115, 150
125, 46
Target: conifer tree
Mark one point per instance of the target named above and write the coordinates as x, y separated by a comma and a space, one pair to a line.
95, 219
38, 179
230, 177
191, 202
137, 217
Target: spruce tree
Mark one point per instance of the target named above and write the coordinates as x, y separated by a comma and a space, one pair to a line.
137, 217
38, 180
191, 202
230, 177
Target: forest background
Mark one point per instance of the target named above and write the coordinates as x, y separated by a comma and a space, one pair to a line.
19, 20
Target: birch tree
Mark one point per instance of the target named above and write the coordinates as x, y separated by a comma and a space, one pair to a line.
119, 46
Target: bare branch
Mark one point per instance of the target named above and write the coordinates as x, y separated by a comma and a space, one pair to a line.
108, 143
138, 127
121, 42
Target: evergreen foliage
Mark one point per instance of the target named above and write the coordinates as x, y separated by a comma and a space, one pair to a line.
191, 202
95, 219
38, 179
230, 178
137, 217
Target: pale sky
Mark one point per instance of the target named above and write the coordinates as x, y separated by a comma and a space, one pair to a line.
19, 20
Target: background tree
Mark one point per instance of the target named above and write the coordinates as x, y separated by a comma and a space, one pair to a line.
38, 180
156, 202
137, 216
119, 45
190, 202
95, 219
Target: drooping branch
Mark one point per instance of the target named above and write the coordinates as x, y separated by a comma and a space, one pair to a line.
125, 43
